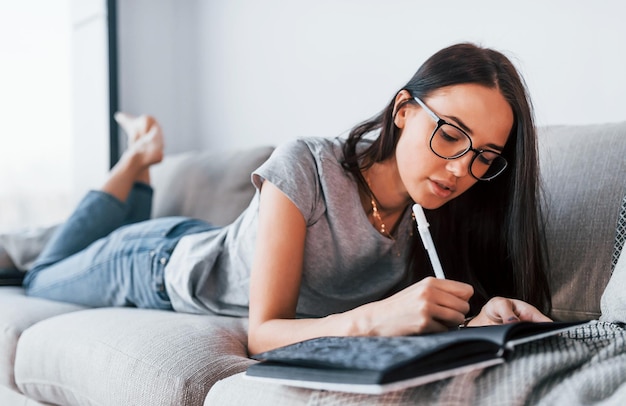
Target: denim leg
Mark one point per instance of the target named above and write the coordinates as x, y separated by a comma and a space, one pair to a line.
139, 203
126, 268
96, 216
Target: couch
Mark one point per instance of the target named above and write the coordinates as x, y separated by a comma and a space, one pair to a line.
59, 353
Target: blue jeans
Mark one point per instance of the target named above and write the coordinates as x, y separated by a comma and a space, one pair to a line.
110, 253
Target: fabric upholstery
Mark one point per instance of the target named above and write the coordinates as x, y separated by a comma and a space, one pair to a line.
10, 397
126, 356
620, 234
211, 186
613, 301
17, 313
19, 249
583, 170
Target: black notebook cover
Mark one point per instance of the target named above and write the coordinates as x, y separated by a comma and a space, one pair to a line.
381, 364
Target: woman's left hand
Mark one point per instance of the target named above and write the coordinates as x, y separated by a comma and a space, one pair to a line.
501, 310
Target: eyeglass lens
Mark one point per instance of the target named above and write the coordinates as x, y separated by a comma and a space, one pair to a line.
450, 142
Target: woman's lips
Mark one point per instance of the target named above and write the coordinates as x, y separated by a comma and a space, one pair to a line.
441, 189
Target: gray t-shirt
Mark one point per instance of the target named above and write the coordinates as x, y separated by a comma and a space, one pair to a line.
347, 262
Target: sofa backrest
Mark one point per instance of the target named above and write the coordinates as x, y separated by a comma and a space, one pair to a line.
210, 186
584, 174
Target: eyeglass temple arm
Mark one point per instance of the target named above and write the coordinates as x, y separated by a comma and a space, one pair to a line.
425, 107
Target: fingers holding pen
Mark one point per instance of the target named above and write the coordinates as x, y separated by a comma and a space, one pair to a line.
430, 305
445, 301
443, 292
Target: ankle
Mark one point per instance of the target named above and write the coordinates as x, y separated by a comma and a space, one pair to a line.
133, 163
143, 176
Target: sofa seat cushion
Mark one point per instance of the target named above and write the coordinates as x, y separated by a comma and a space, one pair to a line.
128, 356
17, 313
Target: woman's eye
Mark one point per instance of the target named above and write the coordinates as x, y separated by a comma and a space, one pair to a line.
486, 158
446, 136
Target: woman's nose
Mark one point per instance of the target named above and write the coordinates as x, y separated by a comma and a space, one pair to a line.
459, 167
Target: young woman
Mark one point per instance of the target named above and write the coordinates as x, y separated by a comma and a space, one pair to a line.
328, 245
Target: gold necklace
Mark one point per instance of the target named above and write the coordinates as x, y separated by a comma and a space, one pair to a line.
375, 211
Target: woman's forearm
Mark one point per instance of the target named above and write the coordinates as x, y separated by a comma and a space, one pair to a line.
279, 332
430, 305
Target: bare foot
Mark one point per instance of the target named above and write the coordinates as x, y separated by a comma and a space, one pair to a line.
145, 137
134, 126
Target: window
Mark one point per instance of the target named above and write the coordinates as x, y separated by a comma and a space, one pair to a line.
35, 113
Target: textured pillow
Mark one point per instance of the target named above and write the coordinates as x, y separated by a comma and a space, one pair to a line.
210, 186
613, 302
21, 248
620, 235
583, 170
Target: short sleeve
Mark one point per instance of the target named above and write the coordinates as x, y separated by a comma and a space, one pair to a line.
293, 169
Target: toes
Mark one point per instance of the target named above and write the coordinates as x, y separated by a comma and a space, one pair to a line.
124, 119
128, 124
135, 127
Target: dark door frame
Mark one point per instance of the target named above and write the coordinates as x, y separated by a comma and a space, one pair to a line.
114, 141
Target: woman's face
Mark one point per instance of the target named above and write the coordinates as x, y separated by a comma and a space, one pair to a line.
433, 181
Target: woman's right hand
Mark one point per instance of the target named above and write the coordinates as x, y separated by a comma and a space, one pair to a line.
430, 305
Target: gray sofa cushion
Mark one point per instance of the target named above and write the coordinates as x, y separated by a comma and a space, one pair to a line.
583, 170
211, 186
17, 313
125, 356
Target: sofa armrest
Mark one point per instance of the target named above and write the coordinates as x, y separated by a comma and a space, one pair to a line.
583, 169
127, 356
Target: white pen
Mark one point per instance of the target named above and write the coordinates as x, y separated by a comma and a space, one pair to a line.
427, 240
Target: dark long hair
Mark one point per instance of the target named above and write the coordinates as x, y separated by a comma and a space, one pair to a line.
491, 235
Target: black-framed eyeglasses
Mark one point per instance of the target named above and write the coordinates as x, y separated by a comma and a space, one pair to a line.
451, 142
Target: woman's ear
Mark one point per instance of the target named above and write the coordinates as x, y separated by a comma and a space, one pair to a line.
399, 110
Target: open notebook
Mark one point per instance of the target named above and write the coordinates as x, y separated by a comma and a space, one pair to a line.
382, 364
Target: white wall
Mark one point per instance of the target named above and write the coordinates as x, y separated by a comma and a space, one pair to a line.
90, 94
158, 47
226, 74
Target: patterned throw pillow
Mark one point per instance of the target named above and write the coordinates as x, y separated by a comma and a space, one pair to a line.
620, 234
613, 301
